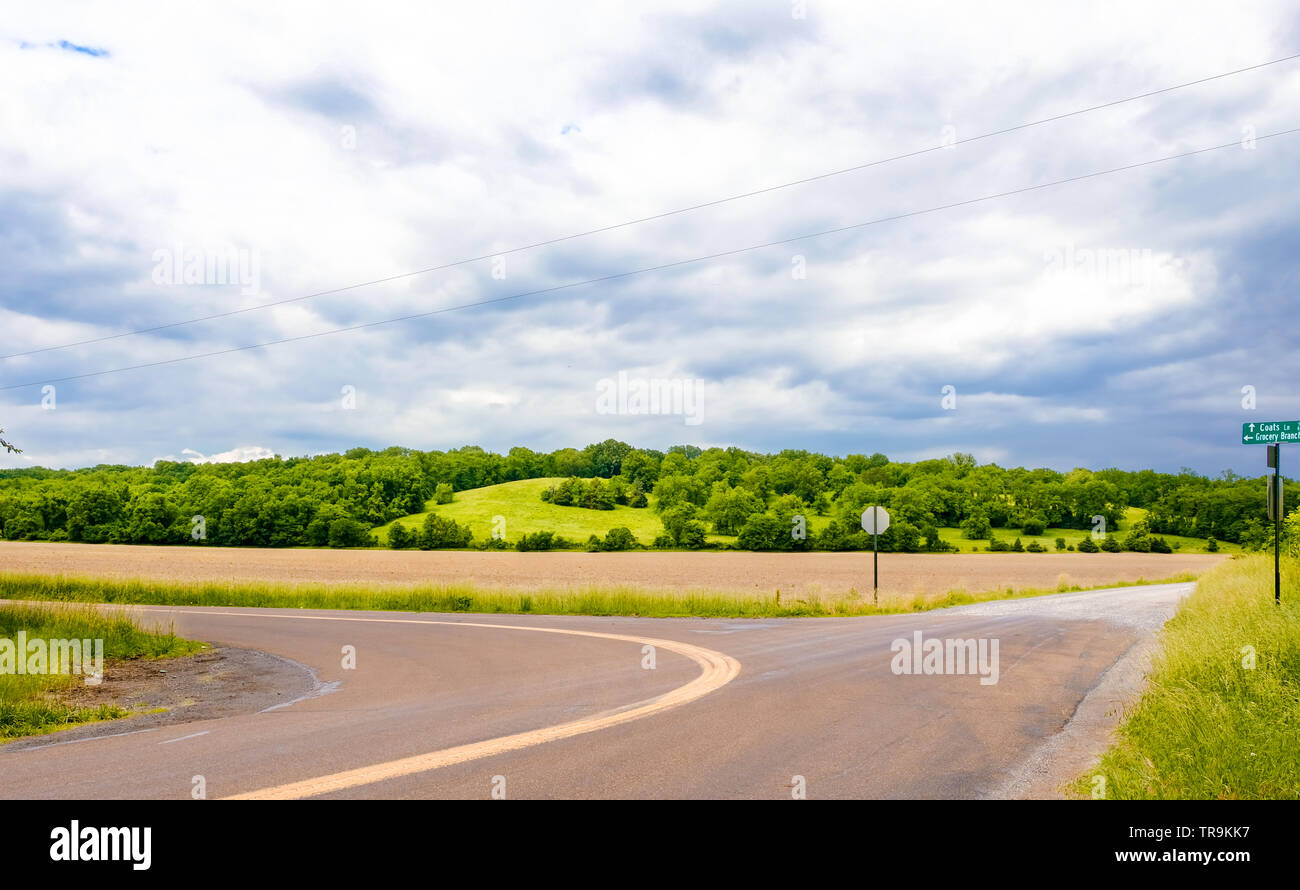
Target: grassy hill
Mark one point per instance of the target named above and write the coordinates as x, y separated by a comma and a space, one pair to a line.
525, 512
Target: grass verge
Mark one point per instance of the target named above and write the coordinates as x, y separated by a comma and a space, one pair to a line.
470, 598
31, 704
1209, 725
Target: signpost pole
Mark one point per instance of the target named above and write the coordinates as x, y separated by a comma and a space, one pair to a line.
875, 568
1277, 525
1273, 434
875, 520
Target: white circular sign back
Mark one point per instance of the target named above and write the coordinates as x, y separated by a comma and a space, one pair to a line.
875, 520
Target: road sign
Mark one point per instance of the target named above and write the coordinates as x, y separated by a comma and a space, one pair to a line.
1280, 431
875, 520
1270, 431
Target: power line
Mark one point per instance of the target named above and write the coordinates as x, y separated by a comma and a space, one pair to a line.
657, 268
668, 213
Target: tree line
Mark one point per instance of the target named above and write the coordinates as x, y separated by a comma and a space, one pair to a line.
335, 499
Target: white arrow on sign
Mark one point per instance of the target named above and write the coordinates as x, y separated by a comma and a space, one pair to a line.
875, 520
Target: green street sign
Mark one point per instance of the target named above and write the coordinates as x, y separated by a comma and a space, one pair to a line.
1270, 432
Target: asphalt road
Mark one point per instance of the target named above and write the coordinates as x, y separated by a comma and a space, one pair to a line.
460, 706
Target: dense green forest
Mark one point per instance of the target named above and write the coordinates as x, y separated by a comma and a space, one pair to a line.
335, 499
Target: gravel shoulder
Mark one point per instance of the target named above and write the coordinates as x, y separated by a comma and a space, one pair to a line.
1090, 729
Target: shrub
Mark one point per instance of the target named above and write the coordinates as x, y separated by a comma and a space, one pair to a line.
763, 531
976, 527
1137, 543
317, 532
1035, 547
537, 541
1060, 544
438, 533
346, 532
1070, 548
1160, 545
693, 535
839, 537
28, 525
597, 495
1018, 547
997, 546
568, 493
619, 539
1211, 545
400, 537
618, 489
1111, 544
1088, 545
901, 537
1139, 538
1033, 526
443, 493
682, 528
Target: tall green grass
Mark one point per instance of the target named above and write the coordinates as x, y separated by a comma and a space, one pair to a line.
33, 704
608, 600
1208, 725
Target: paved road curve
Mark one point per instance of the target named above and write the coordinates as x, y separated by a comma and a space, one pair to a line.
439, 706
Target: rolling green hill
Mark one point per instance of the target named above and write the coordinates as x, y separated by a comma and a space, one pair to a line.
521, 504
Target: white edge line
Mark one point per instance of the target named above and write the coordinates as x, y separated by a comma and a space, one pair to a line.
194, 735
93, 738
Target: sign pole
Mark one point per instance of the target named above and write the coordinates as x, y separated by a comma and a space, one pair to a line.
1277, 525
875, 568
1273, 434
875, 520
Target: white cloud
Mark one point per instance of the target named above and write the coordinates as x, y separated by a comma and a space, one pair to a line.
240, 455
231, 132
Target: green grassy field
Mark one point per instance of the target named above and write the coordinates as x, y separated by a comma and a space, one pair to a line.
1074, 536
1221, 714
525, 512
31, 704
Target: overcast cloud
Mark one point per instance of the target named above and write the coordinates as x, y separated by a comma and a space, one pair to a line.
322, 150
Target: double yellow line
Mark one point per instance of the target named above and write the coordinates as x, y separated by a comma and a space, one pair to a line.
716, 671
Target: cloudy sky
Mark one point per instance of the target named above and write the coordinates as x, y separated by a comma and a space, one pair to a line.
159, 167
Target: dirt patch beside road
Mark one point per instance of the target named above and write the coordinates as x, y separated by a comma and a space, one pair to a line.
830, 573
217, 682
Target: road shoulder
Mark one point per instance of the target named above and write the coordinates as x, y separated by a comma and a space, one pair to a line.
219, 682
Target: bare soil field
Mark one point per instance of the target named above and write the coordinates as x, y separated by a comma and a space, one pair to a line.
830, 573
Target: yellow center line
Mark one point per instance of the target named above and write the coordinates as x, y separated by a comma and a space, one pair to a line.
716, 671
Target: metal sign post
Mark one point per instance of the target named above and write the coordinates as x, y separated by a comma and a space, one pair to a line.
875, 520
1273, 433
1275, 510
